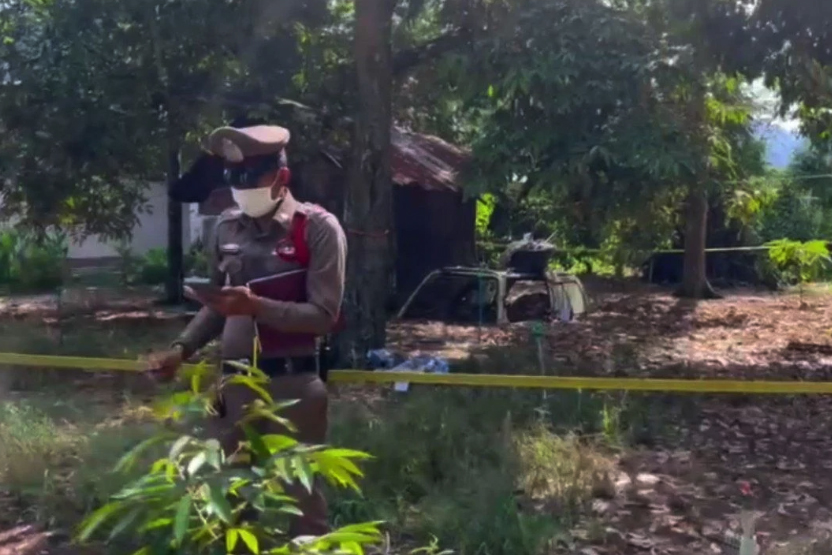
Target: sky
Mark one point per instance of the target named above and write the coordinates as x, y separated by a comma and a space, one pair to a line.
781, 135
767, 101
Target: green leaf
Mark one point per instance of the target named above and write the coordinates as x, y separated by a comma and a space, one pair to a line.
256, 442
196, 463
343, 537
250, 540
183, 515
290, 510
231, 537
91, 523
214, 453
158, 523
253, 384
178, 446
219, 504
276, 442
363, 527
304, 473
258, 374
129, 459
196, 381
348, 454
126, 522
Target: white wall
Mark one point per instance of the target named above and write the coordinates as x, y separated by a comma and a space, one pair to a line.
150, 233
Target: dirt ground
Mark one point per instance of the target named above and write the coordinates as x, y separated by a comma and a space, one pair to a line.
686, 493
682, 493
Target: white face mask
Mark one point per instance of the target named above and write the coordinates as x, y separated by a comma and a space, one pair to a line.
255, 202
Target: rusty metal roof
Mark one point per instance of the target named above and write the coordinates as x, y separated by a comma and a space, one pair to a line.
416, 160
425, 160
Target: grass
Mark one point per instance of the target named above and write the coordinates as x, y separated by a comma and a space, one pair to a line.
56, 456
485, 472
488, 472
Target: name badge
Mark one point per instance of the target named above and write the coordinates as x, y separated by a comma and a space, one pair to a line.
231, 262
230, 248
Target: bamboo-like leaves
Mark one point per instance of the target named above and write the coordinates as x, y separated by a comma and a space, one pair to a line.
194, 499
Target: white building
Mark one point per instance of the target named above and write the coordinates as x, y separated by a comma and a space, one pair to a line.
151, 232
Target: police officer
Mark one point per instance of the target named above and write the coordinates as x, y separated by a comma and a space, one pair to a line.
250, 242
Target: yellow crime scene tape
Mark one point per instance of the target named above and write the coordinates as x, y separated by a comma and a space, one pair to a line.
471, 380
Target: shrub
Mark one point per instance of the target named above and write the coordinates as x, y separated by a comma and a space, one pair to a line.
196, 261
196, 500
129, 265
476, 465
153, 267
792, 214
30, 263
799, 262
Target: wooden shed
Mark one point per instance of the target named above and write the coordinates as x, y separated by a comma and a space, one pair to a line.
434, 222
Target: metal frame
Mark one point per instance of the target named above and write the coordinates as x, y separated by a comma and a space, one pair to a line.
502, 277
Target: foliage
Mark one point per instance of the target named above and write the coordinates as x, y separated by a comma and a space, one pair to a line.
95, 95
792, 214
32, 263
785, 42
592, 125
812, 168
597, 141
793, 204
128, 263
196, 261
485, 471
485, 209
477, 461
198, 499
747, 205
802, 262
152, 267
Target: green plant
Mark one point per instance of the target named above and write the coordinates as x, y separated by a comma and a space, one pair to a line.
128, 263
55, 448
478, 464
196, 261
32, 263
199, 500
485, 209
793, 213
801, 262
153, 267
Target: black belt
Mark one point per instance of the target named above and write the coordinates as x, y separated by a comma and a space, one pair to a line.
278, 366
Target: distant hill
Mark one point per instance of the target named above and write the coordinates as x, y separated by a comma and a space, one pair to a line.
781, 144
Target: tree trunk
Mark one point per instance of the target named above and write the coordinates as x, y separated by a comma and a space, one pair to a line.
694, 279
368, 206
173, 284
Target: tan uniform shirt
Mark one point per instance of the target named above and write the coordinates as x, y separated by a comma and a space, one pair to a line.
243, 249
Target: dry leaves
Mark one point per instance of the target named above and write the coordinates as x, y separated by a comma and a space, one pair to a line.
683, 496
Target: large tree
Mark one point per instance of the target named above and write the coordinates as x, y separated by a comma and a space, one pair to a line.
368, 211
98, 99
586, 108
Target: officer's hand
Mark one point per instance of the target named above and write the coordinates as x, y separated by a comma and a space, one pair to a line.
230, 301
163, 365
